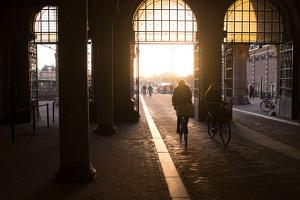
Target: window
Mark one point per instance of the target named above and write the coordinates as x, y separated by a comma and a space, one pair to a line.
45, 26
253, 21
158, 21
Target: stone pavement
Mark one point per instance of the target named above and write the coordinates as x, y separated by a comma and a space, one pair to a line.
254, 106
126, 163
261, 162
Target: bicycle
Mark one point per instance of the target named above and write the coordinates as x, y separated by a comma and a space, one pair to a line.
219, 122
183, 130
266, 105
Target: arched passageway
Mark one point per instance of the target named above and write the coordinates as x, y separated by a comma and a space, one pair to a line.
164, 31
43, 65
254, 54
43, 76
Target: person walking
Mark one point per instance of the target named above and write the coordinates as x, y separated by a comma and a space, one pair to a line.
144, 90
251, 91
182, 95
150, 90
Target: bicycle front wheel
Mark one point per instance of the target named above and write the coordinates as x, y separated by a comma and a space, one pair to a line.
210, 127
225, 132
265, 106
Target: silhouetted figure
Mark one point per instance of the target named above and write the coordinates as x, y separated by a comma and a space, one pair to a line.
144, 90
213, 98
150, 90
171, 89
251, 91
182, 95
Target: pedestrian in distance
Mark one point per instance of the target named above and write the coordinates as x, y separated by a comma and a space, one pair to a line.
251, 91
144, 90
150, 90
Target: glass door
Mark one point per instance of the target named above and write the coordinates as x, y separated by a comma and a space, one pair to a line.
196, 90
286, 80
134, 75
33, 76
227, 75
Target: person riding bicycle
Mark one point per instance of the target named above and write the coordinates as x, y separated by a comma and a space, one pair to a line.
182, 95
213, 99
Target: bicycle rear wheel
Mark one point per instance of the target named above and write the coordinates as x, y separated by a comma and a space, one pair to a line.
210, 126
185, 138
225, 132
181, 128
180, 133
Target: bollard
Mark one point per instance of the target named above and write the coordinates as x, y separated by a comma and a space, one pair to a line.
53, 110
33, 120
47, 106
12, 128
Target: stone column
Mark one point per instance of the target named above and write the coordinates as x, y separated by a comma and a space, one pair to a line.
210, 42
240, 56
73, 93
104, 75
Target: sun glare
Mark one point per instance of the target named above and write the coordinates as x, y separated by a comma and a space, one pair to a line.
157, 59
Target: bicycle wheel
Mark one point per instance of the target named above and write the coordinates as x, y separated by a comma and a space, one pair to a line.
210, 126
225, 132
185, 138
265, 106
181, 128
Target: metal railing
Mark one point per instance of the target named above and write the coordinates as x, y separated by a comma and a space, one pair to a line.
32, 109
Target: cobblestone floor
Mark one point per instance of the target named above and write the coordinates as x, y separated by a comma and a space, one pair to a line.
243, 170
260, 163
126, 163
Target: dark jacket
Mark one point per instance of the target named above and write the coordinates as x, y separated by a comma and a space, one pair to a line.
213, 95
182, 95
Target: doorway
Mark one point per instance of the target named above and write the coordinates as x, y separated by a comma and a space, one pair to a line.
252, 56
43, 69
163, 50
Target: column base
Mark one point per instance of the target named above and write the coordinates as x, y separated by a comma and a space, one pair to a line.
76, 173
105, 129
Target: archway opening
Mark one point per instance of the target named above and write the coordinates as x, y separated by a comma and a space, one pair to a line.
163, 50
43, 69
252, 57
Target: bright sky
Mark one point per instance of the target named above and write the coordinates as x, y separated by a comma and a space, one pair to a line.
158, 59
46, 55
154, 59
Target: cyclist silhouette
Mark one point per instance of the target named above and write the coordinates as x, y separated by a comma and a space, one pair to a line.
182, 95
212, 98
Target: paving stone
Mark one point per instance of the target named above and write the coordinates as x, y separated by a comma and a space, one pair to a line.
128, 166
243, 170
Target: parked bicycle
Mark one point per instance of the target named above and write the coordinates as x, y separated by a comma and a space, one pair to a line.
218, 121
267, 104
